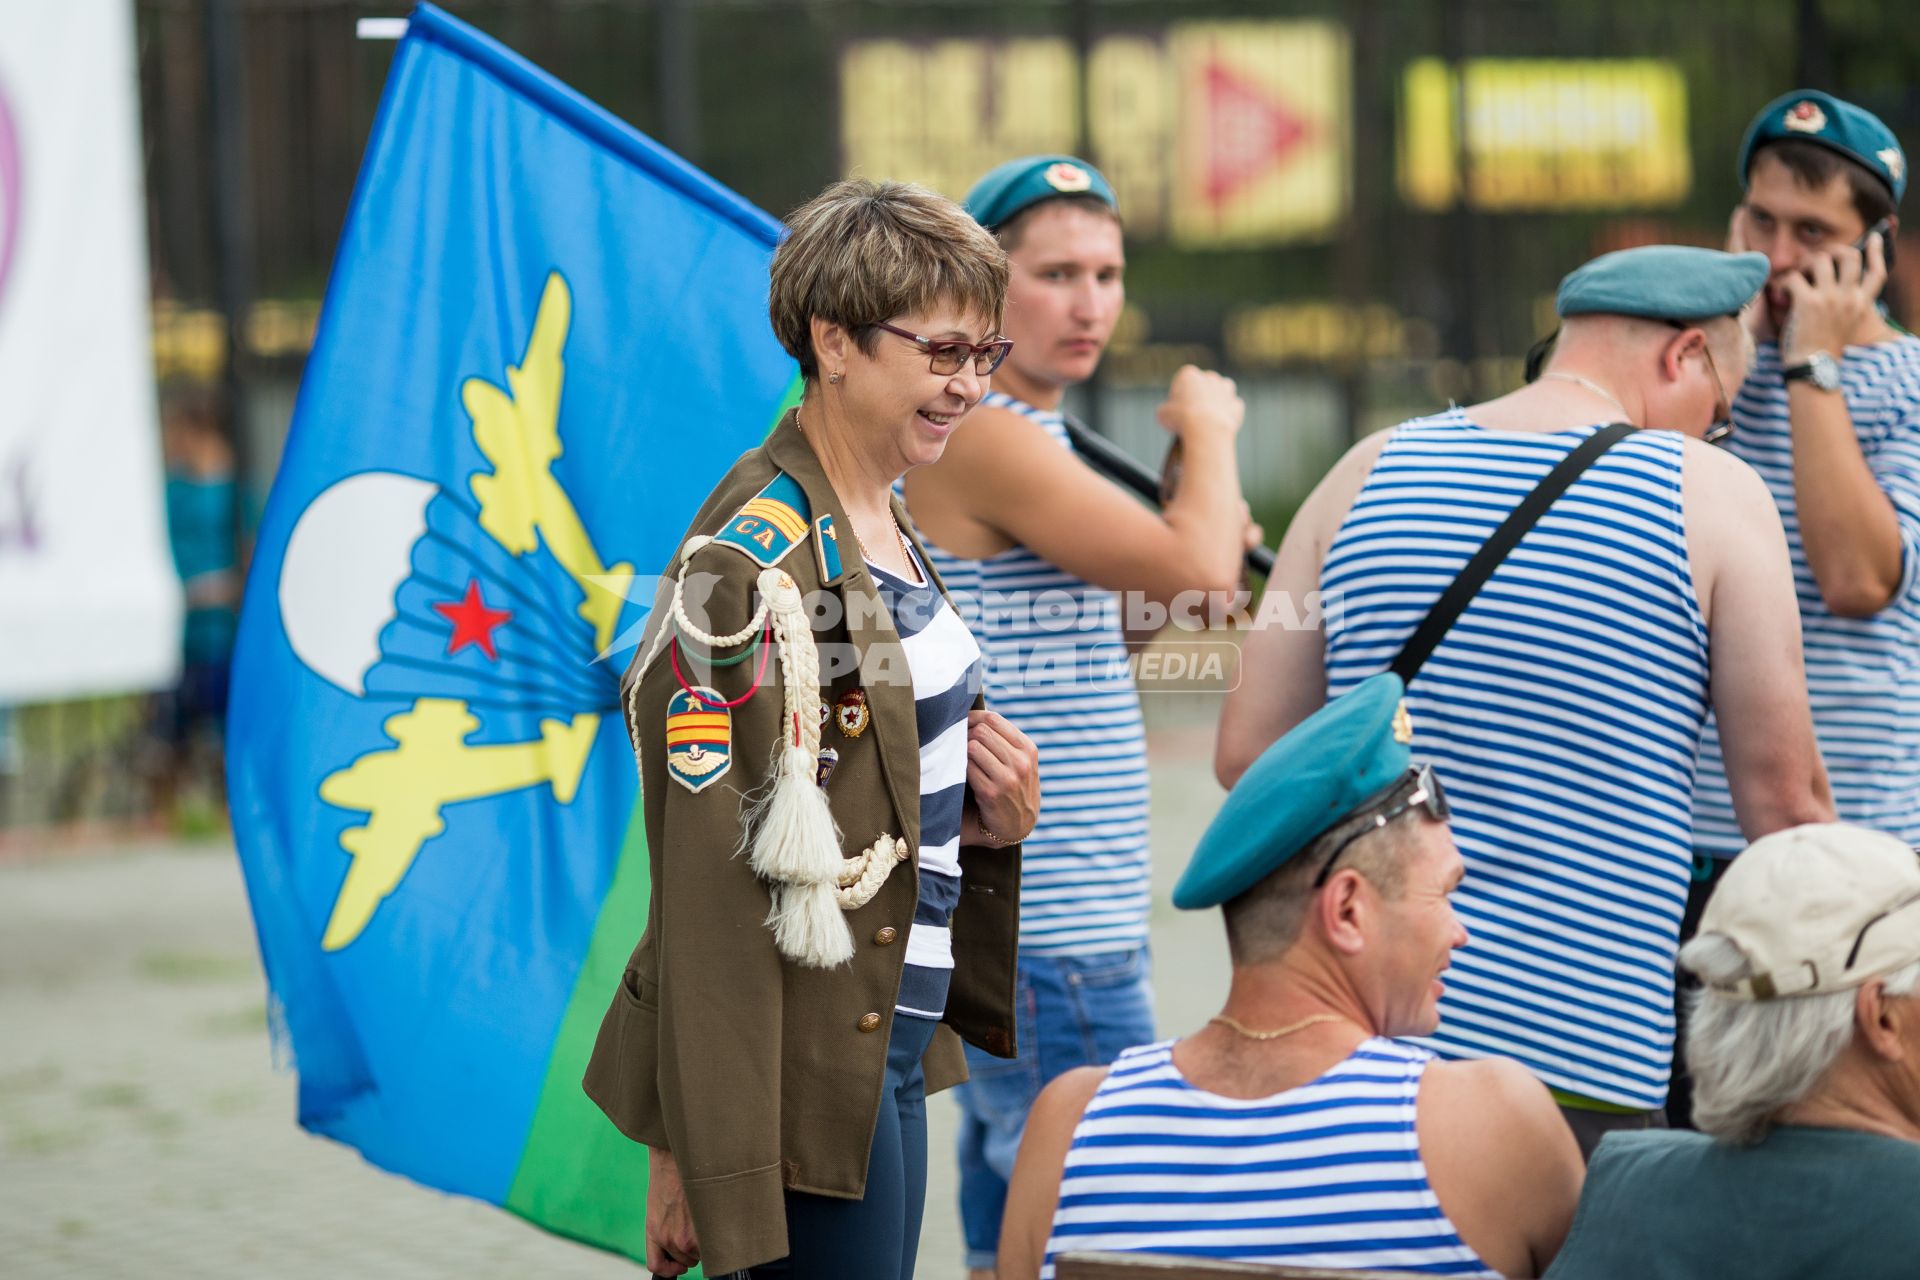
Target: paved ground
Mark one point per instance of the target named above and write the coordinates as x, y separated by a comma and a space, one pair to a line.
145, 1133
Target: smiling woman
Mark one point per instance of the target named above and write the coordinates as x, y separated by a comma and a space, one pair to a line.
787, 1011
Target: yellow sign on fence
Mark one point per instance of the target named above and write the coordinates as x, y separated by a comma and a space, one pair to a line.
1545, 134
1217, 133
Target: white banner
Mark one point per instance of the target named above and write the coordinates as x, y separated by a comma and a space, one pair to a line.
89, 601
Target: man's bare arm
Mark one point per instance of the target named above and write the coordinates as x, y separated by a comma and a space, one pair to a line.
1283, 676
1033, 1193
1002, 483
1502, 1161
1848, 526
1758, 679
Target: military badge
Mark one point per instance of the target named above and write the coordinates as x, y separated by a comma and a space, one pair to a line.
852, 714
699, 738
1068, 178
1895, 162
824, 766
1402, 724
1805, 117
826, 546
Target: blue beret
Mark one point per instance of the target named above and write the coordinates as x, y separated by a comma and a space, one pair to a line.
1328, 766
1018, 184
1821, 118
1663, 282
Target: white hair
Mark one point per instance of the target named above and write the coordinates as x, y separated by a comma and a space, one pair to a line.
1751, 1059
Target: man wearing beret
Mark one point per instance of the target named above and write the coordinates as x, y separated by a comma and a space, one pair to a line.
1049, 562
1292, 1128
1830, 418
1565, 705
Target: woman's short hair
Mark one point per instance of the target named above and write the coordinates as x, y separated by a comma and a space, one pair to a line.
1751, 1059
862, 252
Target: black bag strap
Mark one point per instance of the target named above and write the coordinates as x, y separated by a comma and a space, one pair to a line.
1460, 592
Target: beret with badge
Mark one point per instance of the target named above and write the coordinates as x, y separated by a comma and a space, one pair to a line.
1010, 189
1343, 759
1824, 120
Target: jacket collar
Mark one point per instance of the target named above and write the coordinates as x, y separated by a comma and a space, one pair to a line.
895, 726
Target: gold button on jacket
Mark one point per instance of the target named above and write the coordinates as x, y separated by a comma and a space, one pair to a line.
886, 936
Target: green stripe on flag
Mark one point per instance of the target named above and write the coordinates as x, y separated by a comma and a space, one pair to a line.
579, 1176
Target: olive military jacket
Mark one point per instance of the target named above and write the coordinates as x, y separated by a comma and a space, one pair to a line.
756, 1073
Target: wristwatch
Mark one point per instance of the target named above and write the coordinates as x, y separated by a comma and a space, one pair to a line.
1821, 369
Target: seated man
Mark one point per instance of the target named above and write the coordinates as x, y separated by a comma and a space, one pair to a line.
1291, 1128
1805, 1051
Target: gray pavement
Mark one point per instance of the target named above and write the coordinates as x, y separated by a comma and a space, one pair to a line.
144, 1131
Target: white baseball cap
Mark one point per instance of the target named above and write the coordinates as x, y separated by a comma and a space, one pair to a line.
1824, 907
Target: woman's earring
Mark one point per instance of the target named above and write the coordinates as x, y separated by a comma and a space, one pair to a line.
834, 377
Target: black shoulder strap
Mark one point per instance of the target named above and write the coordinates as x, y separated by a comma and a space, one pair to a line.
1460, 592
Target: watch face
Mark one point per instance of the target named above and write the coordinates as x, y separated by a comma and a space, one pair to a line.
1825, 371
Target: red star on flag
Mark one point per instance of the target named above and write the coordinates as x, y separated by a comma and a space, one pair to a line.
473, 622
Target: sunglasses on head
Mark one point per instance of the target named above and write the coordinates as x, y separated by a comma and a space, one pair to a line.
1426, 795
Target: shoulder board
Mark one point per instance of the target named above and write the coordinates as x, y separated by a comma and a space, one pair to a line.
772, 523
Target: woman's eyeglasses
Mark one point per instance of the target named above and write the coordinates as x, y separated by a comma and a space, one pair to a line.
947, 358
1426, 794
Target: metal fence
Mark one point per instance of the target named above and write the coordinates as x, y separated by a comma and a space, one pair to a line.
1470, 152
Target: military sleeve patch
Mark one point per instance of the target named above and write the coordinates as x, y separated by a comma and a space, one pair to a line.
826, 548
699, 738
771, 524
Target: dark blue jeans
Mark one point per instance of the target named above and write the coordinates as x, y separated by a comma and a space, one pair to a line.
878, 1236
1069, 1011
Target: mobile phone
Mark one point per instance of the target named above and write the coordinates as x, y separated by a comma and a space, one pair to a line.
1883, 229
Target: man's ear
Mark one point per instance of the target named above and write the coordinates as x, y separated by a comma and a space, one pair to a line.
1684, 344
1881, 1020
831, 344
1341, 906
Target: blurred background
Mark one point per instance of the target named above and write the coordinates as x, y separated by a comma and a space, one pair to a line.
1360, 210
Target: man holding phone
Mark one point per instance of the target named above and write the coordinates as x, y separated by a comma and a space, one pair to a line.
1830, 418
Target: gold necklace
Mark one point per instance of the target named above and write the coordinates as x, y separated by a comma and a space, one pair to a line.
1277, 1032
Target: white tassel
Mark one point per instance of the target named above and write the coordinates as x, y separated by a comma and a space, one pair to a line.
808, 926
794, 839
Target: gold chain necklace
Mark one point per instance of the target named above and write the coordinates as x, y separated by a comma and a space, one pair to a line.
906, 548
1277, 1032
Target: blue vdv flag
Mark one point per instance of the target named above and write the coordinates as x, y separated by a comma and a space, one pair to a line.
544, 340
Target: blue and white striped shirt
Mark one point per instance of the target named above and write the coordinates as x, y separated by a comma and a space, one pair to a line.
1325, 1175
1563, 712
1057, 669
945, 663
1863, 674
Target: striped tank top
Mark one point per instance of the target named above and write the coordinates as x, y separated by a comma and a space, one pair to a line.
945, 663
1863, 674
1325, 1175
1057, 668
1563, 711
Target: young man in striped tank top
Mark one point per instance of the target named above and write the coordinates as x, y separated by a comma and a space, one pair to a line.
1830, 418
1017, 525
1292, 1128
1565, 705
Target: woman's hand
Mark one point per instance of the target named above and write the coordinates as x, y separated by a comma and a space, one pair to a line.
672, 1249
1003, 775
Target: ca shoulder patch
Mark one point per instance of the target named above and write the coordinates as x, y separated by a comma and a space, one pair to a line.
772, 523
699, 738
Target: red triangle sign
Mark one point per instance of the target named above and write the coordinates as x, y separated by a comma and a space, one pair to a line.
1249, 134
